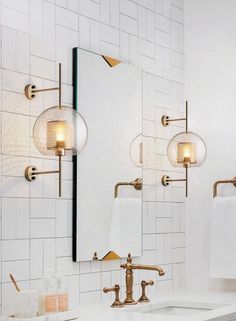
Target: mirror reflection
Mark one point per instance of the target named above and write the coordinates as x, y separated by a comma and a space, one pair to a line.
108, 178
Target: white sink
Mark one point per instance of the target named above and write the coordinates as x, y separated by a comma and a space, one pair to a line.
177, 308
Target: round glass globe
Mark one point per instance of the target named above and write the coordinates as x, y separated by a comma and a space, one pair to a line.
186, 149
60, 128
136, 150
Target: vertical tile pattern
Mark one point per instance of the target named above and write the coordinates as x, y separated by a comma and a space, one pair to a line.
35, 223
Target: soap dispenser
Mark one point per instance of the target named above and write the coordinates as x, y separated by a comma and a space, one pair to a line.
63, 304
48, 298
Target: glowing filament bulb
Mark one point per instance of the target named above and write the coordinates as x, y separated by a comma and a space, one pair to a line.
59, 135
186, 153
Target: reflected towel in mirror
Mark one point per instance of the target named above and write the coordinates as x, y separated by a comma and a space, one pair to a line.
125, 229
223, 238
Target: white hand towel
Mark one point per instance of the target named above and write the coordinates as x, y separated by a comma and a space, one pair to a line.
223, 238
126, 225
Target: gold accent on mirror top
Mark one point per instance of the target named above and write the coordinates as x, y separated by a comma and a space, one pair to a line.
111, 255
112, 62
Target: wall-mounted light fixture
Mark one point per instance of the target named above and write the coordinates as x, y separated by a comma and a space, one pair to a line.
186, 149
58, 131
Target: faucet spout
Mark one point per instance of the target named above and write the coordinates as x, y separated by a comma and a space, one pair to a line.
129, 276
130, 266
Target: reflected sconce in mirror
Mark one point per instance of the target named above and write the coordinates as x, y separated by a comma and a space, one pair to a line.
58, 131
136, 150
186, 149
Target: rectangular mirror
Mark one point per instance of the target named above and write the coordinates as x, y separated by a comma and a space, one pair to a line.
107, 200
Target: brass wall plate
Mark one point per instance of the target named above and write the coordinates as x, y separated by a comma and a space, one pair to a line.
165, 180
30, 172
165, 120
29, 91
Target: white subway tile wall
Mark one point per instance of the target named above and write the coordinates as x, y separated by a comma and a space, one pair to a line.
36, 226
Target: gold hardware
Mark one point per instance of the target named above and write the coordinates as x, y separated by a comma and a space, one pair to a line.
143, 297
137, 184
166, 120
111, 256
95, 256
226, 181
129, 276
116, 289
31, 90
165, 180
31, 171
111, 61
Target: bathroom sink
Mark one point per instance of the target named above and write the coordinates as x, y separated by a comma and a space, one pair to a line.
177, 308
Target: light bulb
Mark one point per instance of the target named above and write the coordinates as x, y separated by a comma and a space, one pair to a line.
186, 153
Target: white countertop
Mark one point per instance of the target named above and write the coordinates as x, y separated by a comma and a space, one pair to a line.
226, 312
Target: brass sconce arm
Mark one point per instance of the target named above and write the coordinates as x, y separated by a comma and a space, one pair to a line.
31, 173
166, 180
166, 120
137, 184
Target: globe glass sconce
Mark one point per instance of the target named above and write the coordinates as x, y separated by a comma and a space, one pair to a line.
186, 149
58, 131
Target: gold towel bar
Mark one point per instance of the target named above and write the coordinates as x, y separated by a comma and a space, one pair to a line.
137, 184
226, 181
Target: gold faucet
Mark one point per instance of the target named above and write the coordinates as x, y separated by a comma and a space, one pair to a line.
129, 276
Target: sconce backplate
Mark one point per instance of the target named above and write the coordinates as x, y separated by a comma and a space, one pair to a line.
165, 120
165, 180
30, 91
30, 173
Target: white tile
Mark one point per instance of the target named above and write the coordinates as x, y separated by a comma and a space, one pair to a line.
178, 240
15, 187
42, 68
36, 259
14, 81
65, 266
149, 242
20, 270
177, 14
19, 5
73, 286
147, 3
66, 18
164, 225
41, 228
49, 256
15, 250
8, 48
89, 9
90, 282
89, 298
114, 13
178, 255
43, 208
110, 34
15, 19
128, 24
64, 247
129, 8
